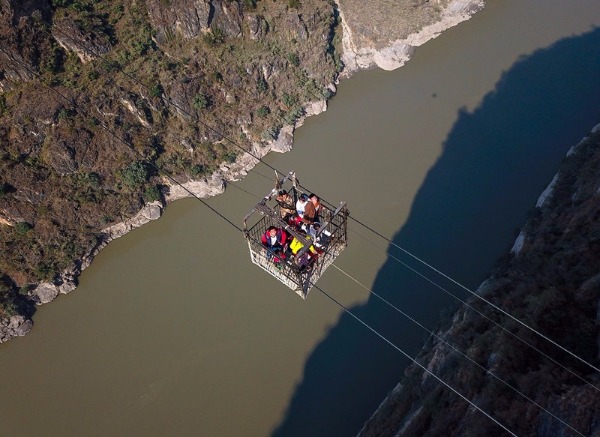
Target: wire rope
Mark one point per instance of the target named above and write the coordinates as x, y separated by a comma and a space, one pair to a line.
487, 301
260, 160
472, 308
173, 180
394, 346
456, 349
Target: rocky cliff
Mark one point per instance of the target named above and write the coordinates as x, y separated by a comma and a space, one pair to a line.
551, 281
385, 33
99, 100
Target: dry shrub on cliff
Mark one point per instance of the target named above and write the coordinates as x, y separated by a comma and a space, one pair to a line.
139, 82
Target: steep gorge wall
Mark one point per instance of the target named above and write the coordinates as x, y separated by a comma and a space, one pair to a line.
99, 100
551, 281
385, 33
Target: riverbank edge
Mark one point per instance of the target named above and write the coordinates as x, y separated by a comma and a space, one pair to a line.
389, 58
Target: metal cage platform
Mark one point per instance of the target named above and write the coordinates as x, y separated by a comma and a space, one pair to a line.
329, 241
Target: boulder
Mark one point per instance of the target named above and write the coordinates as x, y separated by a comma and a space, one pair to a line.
228, 18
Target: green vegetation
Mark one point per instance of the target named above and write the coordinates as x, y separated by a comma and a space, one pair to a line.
11, 302
23, 228
152, 194
215, 37
201, 101
290, 99
3, 107
134, 174
197, 170
156, 90
261, 85
294, 59
250, 4
263, 111
4, 189
294, 114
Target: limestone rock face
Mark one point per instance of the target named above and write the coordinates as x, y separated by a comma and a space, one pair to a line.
187, 18
384, 33
228, 17
44, 293
19, 38
85, 44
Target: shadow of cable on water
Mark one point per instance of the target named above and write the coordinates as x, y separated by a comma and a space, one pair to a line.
495, 163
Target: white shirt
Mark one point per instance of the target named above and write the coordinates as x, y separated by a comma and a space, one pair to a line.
300, 207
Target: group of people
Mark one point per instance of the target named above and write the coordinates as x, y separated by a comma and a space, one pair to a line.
304, 216
303, 213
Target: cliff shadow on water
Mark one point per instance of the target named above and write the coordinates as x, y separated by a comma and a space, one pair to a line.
495, 163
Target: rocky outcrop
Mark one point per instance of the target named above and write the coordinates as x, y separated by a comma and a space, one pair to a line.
257, 26
385, 33
21, 39
186, 18
191, 19
228, 17
85, 44
551, 282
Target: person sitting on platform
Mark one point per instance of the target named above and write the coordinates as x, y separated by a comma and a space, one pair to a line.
275, 241
286, 205
300, 207
305, 260
321, 240
311, 212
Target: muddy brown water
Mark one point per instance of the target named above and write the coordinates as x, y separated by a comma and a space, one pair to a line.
173, 331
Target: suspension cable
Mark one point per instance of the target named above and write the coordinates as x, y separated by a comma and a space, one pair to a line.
173, 180
390, 343
472, 308
196, 118
456, 349
525, 342
239, 229
483, 299
259, 159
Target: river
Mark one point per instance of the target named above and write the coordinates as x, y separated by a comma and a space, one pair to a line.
172, 329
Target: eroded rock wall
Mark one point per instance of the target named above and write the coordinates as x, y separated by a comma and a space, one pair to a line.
552, 283
384, 33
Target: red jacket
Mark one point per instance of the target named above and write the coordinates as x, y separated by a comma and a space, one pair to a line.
280, 236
